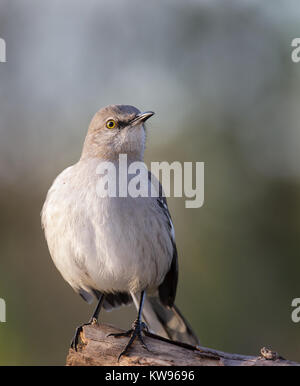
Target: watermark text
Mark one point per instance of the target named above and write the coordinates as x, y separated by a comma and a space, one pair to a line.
296, 312
296, 52
123, 179
2, 51
2, 311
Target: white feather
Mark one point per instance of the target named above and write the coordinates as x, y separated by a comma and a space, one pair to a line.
108, 244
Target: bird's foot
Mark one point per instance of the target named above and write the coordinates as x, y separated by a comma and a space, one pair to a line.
135, 332
76, 338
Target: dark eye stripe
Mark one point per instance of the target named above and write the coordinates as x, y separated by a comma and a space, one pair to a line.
122, 124
119, 124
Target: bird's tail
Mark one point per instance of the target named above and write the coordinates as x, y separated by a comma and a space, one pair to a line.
166, 321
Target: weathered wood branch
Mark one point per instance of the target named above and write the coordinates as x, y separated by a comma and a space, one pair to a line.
98, 349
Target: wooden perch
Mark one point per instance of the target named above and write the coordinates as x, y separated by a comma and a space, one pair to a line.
97, 349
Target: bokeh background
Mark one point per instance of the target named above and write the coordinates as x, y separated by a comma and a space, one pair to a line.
220, 78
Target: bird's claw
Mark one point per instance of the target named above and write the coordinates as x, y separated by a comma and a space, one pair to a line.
135, 332
76, 338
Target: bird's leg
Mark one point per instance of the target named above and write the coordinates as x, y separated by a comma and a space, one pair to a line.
136, 330
93, 320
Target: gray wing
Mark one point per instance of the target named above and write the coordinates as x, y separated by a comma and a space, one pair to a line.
167, 289
160, 312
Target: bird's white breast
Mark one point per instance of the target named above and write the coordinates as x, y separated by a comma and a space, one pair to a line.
109, 244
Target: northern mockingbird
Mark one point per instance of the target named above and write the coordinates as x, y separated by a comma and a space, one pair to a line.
116, 248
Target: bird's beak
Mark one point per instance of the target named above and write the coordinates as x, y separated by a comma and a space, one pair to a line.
142, 117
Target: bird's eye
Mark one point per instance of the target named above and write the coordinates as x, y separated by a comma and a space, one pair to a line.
111, 124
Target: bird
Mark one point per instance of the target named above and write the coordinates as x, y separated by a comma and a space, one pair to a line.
118, 250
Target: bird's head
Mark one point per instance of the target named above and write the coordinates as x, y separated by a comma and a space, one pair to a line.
114, 130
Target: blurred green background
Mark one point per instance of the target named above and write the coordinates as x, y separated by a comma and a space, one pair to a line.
220, 78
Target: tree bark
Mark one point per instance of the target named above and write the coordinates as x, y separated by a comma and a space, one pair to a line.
98, 349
